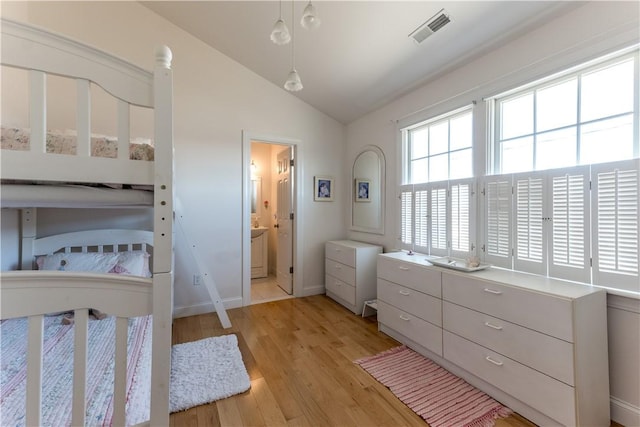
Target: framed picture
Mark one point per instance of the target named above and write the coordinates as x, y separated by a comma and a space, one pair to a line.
362, 190
323, 189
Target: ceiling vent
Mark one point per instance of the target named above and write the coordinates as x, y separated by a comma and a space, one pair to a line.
432, 25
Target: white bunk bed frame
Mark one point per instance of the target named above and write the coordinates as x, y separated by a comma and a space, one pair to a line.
35, 293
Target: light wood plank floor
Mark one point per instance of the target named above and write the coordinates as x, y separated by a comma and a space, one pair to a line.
299, 354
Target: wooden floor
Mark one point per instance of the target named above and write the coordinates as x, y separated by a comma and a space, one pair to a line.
299, 354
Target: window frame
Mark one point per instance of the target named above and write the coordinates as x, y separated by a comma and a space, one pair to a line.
569, 248
419, 224
406, 143
495, 160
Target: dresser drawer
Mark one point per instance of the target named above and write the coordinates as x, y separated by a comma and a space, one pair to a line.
414, 276
343, 254
549, 396
340, 289
412, 327
541, 352
340, 271
548, 314
411, 301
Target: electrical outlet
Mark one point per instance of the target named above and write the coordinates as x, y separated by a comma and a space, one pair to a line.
197, 280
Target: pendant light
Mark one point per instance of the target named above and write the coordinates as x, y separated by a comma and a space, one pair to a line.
310, 20
293, 83
280, 33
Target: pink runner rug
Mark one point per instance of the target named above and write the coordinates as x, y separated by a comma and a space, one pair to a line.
439, 397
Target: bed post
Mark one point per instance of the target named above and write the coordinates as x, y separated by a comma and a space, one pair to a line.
27, 235
162, 239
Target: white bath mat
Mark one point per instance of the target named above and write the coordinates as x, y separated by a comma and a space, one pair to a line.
206, 370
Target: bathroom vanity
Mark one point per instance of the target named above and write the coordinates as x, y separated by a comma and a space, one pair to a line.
259, 252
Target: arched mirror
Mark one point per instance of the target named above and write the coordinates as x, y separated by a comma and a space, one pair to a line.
367, 195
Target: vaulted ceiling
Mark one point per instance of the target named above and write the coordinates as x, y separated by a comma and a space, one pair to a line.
361, 56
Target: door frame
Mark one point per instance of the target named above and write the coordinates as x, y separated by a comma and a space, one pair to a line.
297, 229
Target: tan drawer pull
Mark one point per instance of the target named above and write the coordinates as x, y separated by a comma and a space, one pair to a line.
405, 293
403, 268
492, 291
338, 267
495, 362
405, 318
499, 328
337, 283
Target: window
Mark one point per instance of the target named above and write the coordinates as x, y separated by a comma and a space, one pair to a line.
564, 200
439, 149
581, 118
437, 200
562, 194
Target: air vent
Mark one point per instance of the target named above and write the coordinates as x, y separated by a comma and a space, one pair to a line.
432, 25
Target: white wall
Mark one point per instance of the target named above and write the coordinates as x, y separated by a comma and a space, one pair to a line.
582, 34
215, 100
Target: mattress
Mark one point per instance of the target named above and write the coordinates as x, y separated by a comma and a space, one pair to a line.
72, 196
57, 376
65, 142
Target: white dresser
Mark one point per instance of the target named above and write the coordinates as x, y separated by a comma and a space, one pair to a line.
537, 345
350, 272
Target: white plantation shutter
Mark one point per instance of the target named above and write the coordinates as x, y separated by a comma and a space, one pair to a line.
530, 252
438, 217
406, 216
616, 189
498, 210
569, 193
421, 219
462, 202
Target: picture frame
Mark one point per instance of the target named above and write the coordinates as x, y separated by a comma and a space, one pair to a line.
362, 190
323, 188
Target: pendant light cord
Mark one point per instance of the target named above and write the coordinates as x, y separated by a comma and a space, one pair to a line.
293, 37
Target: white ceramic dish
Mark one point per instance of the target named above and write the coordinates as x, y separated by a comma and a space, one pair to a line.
457, 264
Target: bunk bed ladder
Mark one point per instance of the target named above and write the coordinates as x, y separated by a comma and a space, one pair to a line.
201, 267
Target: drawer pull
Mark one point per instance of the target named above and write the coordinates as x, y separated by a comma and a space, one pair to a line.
338, 267
405, 293
499, 328
495, 362
338, 284
405, 318
403, 268
492, 291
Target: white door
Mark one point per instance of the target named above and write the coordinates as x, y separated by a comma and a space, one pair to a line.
284, 225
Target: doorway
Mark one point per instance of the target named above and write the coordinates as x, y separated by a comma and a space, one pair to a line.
270, 219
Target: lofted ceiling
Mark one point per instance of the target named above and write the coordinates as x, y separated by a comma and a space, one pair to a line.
361, 57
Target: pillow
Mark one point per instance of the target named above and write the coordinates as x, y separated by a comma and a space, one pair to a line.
95, 262
134, 263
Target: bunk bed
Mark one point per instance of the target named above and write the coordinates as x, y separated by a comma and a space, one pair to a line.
33, 297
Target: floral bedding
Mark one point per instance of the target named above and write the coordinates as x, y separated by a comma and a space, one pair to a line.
57, 376
65, 142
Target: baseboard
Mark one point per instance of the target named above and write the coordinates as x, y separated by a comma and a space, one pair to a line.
193, 310
624, 412
316, 290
